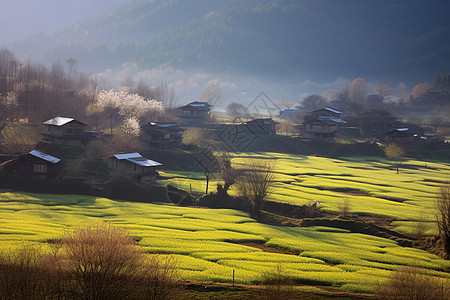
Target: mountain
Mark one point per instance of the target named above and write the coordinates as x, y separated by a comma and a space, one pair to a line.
384, 40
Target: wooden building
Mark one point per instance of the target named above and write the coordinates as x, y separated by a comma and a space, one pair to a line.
322, 124
161, 135
195, 112
265, 126
67, 131
399, 135
35, 164
133, 166
320, 129
375, 123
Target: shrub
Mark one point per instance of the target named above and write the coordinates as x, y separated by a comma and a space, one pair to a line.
277, 285
20, 275
412, 283
160, 279
103, 262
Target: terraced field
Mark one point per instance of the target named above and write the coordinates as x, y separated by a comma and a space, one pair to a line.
210, 244
20, 133
370, 184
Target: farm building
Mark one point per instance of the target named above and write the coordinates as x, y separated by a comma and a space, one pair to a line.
399, 135
195, 112
376, 122
35, 164
133, 166
322, 124
162, 135
264, 126
67, 131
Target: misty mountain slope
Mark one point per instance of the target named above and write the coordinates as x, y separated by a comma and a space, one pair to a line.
274, 38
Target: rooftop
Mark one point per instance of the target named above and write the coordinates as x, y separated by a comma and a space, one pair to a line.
329, 109
136, 158
44, 156
144, 162
58, 121
198, 105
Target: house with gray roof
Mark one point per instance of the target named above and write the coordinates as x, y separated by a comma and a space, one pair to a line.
322, 124
160, 135
195, 112
67, 131
133, 166
35, 164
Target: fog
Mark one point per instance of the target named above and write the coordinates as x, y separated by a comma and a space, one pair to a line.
403, 52
21, 18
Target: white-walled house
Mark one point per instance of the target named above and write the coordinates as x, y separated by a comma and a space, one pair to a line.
133, 166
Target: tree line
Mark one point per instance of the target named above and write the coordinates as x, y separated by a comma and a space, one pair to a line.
34, 93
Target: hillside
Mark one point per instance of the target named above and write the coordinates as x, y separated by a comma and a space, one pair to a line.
20, 133
393, 40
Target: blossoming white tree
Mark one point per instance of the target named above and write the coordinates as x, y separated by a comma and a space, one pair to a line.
131, 128
122, 105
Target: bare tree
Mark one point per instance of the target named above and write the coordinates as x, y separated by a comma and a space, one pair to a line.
211, 94
443, 216
228, 173
256, 183
237, 111
395, 152
11, 103
313, 102
102, 260
277, 285
413, 283
72, 62
331, 95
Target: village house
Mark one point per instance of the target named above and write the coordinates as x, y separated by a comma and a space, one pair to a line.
162, 135
35, 164
376, 122
265, 126
133, 166
195, 112
400, 136
67, 131
288, 113
322, 124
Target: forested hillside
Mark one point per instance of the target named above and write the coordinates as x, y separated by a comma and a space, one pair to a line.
268, 37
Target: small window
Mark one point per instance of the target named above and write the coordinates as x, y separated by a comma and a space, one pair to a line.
40, 168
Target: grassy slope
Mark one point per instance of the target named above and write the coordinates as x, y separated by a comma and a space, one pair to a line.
376, 190
209, 243
20, 133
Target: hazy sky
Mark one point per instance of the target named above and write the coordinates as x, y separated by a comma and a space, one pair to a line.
19, 18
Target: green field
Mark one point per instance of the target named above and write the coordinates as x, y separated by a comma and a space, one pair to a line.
370, 184
209, 244
20, 133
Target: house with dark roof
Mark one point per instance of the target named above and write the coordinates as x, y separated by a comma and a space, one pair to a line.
67, 131
161, 135
34, 164
399, 135
263, 126
288, 113
133, 166
322, 124
195, 112
376, 122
